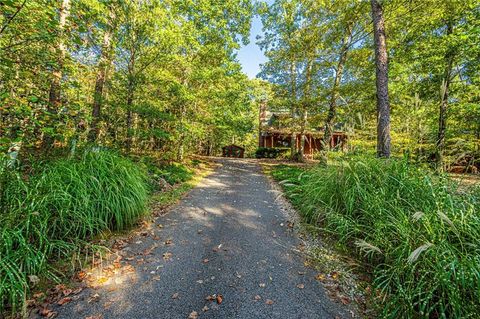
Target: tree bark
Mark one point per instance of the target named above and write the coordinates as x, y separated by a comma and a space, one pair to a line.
293, 137
442, 118
305, 108
332, 110
181, 140
103, 65
130, 97
54, 99
381, 63
128, 142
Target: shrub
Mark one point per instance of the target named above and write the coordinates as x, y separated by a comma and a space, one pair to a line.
269, 152
419, 232
50, 214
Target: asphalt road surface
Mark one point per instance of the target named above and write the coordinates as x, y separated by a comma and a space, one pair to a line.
227, 238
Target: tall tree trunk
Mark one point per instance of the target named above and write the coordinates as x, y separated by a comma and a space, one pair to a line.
293, 107
103, 65
381, 63
442, 118
301, 152
332, 110
130, 97
54, 99
128, 142
305, 108
130, 93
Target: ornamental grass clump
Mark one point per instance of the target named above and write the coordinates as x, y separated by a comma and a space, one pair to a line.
50, 214
421, 234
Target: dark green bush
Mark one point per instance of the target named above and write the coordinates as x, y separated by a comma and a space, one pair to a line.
269, 152
418, 231
51, 213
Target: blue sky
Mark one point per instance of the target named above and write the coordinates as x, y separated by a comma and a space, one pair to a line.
251, 56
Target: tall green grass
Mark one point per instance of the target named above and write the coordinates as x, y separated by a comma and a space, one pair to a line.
421, 234
49, 214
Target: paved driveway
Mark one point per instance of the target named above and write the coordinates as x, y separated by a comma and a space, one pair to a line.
227, 237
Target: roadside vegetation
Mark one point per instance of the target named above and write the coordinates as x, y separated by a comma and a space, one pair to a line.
102, 106
417, 230
53, 211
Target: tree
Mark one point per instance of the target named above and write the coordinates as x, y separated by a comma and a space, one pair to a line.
104, 64
381, 64
54, 99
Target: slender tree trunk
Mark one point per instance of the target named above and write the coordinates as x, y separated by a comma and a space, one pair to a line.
181, 138
130, 94
332, 110
302, 134
103, 65
293, 137
442, 118
54, 99
128, 142
381, 63
130, 98
305, 107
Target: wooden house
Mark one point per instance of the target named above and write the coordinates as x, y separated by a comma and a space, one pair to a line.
233, 150
276, 132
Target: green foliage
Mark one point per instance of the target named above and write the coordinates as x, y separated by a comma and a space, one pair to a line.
175, 87
173, 173
421, 234
50, 214
270, 152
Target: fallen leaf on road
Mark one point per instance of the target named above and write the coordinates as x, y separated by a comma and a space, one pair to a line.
77, 291
300, 286
94, 298
269, 302
128, 269
67, 292
205, 261
175, 295
45, 312
199, 231
193, 315
81, 275
149, 251
320, 277
219, 299
94, 317
63, 301
345, 300
210, 298
301, 273
262, 285
157, 278
167, 256
205, 309
168, 242
257, 298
